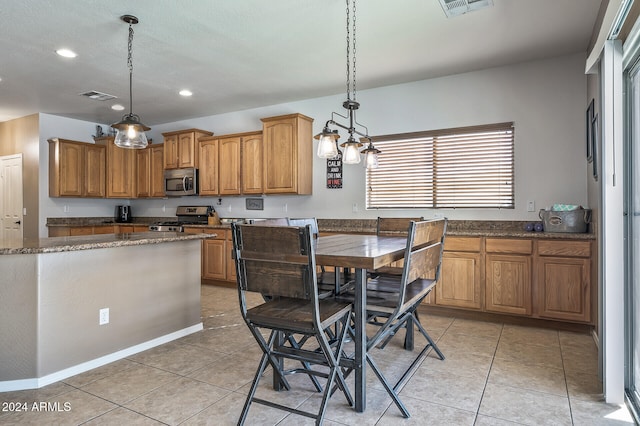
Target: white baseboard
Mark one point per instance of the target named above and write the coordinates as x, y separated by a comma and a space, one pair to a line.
35, 383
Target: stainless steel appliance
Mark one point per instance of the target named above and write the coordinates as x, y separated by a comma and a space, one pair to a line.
186, 215
123, 214
179, 182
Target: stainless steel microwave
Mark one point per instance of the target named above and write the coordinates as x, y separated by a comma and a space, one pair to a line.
178, 182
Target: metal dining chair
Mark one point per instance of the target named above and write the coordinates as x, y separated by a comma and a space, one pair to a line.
279, 263
393, 227
392, 300
333, 282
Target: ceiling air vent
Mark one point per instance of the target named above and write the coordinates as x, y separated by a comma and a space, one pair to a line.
98, 96
458, 7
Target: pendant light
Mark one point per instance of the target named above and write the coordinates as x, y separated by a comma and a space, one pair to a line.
130, 131
327, 145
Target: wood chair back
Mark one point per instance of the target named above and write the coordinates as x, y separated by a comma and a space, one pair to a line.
395, 225
275, 260
423, 255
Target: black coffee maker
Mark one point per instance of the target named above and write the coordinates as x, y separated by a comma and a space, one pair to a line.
123, 214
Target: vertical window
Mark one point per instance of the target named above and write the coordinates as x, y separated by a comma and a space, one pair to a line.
452, 168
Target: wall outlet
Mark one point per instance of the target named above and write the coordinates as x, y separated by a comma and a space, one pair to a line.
285, 207
104, 316
164, 208
66, 209
354, 208
531, 206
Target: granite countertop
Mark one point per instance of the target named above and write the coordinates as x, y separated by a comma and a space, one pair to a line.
461, 228
88, 242
102, 221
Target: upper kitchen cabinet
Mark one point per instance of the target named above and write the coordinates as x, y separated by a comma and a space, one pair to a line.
251, 163
287, 154
229, 170
225, 164
76, 169
150, 171
209, 161
121, 169
180, 148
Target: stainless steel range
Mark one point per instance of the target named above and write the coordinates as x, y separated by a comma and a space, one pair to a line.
186, 215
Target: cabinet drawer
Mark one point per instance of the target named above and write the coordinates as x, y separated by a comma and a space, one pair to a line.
505, 245
462, 244
564, 248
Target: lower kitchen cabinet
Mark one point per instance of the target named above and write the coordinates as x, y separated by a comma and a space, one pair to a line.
461, 274
564, 271
508, 284
217, 263
214, 259
535, 278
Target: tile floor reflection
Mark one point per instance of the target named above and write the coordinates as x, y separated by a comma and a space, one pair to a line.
494, 374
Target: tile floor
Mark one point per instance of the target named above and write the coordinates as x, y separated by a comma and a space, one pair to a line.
494, 374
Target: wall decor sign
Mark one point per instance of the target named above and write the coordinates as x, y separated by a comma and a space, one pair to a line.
334, 172
589, 120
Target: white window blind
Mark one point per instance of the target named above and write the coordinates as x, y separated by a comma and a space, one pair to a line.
452, 168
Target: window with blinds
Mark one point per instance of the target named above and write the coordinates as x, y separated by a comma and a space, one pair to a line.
452, 168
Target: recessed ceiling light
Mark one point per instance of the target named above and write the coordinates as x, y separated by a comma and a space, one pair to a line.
185, 92
66, 53
117, 107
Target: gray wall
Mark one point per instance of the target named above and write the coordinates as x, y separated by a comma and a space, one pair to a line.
546, 99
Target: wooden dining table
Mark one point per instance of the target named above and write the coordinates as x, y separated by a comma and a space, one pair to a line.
362, 253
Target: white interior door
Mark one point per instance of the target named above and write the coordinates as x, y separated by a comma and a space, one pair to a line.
11, 197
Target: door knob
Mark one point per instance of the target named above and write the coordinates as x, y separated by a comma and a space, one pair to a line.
17, 222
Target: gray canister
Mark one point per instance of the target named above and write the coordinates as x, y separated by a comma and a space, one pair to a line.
565, 221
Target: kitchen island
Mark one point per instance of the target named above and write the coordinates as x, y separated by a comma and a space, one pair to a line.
54, 293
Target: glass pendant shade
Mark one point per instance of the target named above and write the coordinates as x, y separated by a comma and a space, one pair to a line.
130, 132
370, 155
327, 147
370, 160
351, 154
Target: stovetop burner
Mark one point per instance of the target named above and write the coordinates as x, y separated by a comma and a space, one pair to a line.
186, 215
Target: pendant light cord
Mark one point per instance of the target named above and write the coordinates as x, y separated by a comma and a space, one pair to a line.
351, 53
130, 66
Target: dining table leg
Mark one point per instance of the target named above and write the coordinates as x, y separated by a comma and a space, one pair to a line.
360, 308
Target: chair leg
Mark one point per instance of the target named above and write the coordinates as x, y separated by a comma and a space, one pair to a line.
429, 339
256, 380
392, 393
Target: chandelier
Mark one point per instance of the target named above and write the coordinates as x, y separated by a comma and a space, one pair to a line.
130, 131
328, 138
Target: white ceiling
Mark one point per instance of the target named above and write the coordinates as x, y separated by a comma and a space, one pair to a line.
241, 54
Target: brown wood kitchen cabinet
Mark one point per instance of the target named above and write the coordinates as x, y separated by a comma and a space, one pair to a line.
181, 149
508, 275
224, 165
563, 280
150, 172
527, 277
121, 169
251, 167
209, 163
461, 277
216, 254
76, 169
287, 154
